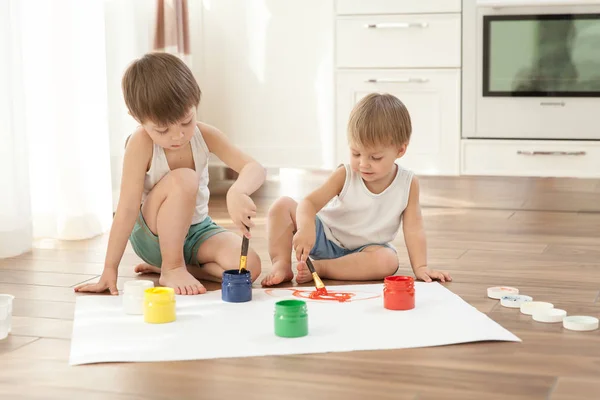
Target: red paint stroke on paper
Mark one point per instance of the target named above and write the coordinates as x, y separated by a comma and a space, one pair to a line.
340, 297
316, 295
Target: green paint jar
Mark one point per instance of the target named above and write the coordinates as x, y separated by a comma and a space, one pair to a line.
291, 318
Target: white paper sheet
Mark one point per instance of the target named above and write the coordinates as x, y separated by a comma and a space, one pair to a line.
206, 327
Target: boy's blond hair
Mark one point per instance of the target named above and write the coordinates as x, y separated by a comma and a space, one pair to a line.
159, 88
379, 120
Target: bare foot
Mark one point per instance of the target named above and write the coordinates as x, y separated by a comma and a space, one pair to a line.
181, 281
304, 275
145, 268
281, 272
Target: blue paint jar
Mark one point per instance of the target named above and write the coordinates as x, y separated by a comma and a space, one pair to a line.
236, 287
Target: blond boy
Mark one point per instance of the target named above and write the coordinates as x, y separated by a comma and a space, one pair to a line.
163, 204
347, 224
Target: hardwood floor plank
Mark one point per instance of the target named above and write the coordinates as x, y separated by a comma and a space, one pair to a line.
576, 389
13, 342
534, 248
43, 349
43, 309
542, 260
464, 234
35, 392
77, 256
571, 250
33, 292
42, 327
42, 278
43, 265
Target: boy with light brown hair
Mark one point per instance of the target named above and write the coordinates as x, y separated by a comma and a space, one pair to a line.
163, 204
347, 224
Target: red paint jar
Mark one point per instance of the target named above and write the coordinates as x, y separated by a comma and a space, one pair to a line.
399, 293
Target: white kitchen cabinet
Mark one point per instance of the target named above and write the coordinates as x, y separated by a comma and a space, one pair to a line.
349, 7
546, 158
411, 50
398, 41
431, 99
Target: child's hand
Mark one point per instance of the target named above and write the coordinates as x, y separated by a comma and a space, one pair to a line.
108, 280
303, 242
427, 275
241, 209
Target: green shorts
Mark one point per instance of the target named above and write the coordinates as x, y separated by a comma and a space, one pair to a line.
146, 244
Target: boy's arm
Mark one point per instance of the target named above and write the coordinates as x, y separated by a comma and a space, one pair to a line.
310, 206
315, 201
251, 176
137, 156
414, 237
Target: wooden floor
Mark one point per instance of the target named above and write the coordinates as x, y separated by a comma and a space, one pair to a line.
542, 236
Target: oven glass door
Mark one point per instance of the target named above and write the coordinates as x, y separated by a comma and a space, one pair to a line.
549, 55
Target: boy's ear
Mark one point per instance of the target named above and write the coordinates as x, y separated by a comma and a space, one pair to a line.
402, 150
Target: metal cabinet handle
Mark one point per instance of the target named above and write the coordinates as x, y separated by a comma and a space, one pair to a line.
396, 25
398, 80
551, 153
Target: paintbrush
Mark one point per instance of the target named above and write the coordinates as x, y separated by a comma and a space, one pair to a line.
318, 282
244, 255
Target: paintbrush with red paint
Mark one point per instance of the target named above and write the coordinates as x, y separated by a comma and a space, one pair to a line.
318, 282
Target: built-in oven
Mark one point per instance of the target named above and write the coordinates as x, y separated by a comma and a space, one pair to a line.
531, 69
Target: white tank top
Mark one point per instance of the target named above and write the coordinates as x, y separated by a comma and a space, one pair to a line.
358, 217
159, 167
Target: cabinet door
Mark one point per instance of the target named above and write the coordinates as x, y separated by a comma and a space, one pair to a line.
432, 98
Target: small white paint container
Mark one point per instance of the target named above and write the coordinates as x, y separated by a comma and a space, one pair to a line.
6, 307
133, 296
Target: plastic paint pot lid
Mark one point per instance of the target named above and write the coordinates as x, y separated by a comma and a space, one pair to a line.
550, 315
497, 292
293, 307
160, 294
580, 323
530, 307
514, 300
137, 287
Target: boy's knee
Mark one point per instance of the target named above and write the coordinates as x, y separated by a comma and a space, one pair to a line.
184, 180
387, 260
282, 205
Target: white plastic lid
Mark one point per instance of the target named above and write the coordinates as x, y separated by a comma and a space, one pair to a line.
514, 300
136, 287
550, 315
497, 292
580, 323
531, 307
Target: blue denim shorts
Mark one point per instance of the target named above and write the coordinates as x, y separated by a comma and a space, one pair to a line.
325, 249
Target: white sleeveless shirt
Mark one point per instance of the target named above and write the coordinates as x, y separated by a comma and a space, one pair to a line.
358, 217
159, 167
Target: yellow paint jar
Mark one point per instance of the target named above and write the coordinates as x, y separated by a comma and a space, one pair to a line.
159, 305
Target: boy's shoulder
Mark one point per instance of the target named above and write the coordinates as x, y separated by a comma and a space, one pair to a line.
139, 147
139, 139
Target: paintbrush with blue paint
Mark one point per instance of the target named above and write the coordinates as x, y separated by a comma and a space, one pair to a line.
318, 282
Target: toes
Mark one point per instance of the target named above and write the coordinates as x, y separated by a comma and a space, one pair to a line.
177, 290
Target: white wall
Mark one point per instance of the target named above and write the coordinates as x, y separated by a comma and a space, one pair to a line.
265, 68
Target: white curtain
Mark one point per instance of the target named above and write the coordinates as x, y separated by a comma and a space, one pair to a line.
55, 173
